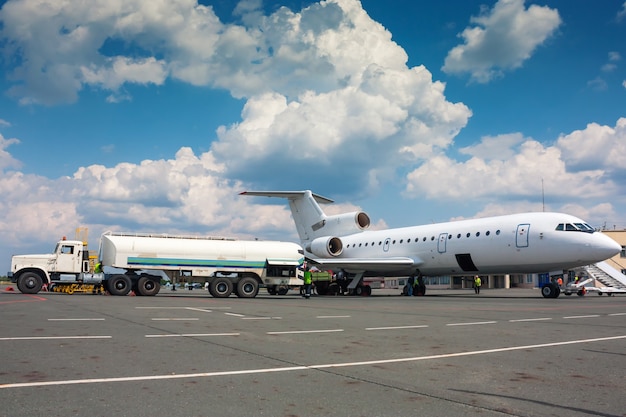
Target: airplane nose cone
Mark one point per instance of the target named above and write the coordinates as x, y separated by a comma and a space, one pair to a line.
607, 247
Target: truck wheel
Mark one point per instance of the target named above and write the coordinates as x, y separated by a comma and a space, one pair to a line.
147, 286
247, 288
119, 285
272, 289
221, 287
29, 283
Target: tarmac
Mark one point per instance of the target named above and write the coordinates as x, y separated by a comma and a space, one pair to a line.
184, 353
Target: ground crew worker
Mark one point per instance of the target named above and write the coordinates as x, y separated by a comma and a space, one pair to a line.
97, 268
308, 280
477, 284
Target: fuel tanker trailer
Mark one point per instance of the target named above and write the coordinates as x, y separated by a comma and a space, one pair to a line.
139, 261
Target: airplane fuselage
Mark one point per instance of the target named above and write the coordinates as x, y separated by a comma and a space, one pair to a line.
518, 243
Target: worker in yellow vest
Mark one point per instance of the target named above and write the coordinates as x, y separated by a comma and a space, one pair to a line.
477, 284
308, 280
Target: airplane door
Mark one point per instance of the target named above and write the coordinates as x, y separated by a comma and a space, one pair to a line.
386, 245
441, 245
521, 239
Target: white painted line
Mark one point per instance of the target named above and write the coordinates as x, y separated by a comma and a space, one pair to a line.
301, 368
180, 308
55, 337
75, 319
192, 335
522, 320
582, 317
261, 318
472, 324
397, 327
204, 310
176, 319
617, 314
307, 331
235, 315
332, 317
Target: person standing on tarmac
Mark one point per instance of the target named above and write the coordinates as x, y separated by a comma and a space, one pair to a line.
477, 284
308, 280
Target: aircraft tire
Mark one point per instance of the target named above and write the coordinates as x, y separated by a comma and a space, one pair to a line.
29, 283
549, 291
221, 287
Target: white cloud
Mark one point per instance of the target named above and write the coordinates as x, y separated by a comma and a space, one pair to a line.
6, 160
579, 166
622, 13
596, 146
501, 39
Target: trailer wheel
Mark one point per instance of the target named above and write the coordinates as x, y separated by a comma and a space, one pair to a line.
550, 291
147, 286
221, 287
29, 283
247, 288
119, 285
283, 290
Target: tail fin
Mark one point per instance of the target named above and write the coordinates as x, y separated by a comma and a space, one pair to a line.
307, 214
310, 219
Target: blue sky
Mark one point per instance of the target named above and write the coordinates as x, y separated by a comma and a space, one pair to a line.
153, 116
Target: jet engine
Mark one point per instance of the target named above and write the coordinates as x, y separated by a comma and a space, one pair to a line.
346, 223
325, 247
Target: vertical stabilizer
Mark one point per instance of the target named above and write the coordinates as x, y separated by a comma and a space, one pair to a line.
307, 214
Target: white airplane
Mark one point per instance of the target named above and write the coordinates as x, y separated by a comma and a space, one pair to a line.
517, 243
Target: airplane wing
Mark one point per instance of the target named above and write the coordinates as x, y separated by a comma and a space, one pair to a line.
369, 264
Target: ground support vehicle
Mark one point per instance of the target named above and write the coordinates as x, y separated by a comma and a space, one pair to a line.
138, 262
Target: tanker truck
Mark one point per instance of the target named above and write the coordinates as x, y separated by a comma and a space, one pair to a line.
139, 260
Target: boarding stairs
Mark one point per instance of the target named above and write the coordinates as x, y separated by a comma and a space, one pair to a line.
606, 275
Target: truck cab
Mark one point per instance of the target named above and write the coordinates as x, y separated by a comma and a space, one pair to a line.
31, 272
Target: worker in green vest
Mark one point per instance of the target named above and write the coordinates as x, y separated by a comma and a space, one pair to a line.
477, 284
308, 280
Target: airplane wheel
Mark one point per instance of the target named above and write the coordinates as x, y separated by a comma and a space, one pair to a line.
549, 291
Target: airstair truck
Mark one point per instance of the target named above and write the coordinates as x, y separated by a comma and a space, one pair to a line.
227, 265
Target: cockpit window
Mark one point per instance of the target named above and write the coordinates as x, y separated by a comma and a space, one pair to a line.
575, 227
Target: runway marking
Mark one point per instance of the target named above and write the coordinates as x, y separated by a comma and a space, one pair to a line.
332, 317
204, 310
182, 308
83, 319
191, 335
175, 319
235, 314
618, 314
307, 331
472, 324
582, 317
522, 320
261, 318
397, 327
303, 367
55, 337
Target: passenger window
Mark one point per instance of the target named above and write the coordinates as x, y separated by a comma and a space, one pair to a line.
477, 234
468, 235
488, 233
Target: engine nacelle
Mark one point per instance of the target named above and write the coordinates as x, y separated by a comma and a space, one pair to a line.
346, 223
325, 246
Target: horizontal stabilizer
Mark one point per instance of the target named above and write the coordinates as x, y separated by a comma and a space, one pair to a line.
291, 195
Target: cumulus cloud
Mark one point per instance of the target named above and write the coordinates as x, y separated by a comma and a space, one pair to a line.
501, 39
579, 166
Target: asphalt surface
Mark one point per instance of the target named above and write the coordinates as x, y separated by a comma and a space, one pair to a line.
451, 353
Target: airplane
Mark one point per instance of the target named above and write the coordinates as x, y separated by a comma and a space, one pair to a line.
535, 242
